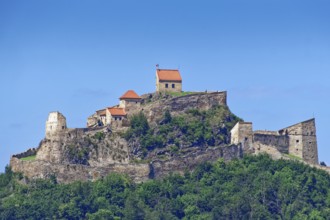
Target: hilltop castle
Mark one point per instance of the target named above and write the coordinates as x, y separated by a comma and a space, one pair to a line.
100, 148
298, 140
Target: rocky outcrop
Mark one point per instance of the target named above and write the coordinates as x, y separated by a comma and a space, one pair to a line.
94, 147
161, 168
154, 105
90, 153
139, 172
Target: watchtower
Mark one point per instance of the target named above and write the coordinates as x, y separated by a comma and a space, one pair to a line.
56, 122
242, 133
302, 140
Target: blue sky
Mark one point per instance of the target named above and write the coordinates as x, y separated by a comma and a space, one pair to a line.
273, 58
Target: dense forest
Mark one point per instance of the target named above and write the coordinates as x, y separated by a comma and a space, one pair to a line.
255, 187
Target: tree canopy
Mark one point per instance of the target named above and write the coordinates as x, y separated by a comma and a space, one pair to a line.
255, 187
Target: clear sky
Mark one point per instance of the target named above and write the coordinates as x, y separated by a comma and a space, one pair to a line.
77, 56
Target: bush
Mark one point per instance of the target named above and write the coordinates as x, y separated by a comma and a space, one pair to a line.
139, 126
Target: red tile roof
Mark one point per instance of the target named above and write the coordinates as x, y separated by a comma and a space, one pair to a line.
169, 75
117, 111
130, 94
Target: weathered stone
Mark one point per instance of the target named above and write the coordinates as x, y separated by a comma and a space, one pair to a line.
298, 140
161, 168
66, 173
90, 153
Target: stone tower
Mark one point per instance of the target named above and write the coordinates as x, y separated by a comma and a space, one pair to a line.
242, 133
302, 140
56, 122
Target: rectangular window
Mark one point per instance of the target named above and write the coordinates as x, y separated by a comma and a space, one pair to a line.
173, 86
166, 85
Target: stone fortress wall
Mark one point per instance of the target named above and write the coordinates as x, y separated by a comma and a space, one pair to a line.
298, 140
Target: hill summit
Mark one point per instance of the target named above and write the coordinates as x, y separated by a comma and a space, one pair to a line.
152, 135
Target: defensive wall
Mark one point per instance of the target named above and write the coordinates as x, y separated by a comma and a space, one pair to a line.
298, 140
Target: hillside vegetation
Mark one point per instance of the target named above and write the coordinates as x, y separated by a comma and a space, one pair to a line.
251, 188
173, 134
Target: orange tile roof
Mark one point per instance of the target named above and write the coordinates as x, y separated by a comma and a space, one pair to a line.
117, 111
130, 94
169, 75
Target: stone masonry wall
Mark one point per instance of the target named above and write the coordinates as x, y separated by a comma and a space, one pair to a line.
302, 140
66, 173
281, 143
28, 153
295, 140
242, 133
161, 87
55, 123
310, 152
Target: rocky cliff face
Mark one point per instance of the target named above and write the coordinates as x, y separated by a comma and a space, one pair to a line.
91, 147
90, 153
155, 104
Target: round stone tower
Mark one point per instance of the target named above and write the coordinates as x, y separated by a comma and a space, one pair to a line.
56, 122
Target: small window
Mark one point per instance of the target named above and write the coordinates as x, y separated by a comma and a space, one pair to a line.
312, 133
173, 86
297, 149
166, 85
62, 127
297, 141
51, 127
135, 102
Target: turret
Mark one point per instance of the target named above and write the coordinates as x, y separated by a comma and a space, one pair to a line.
242, 133
56, 122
